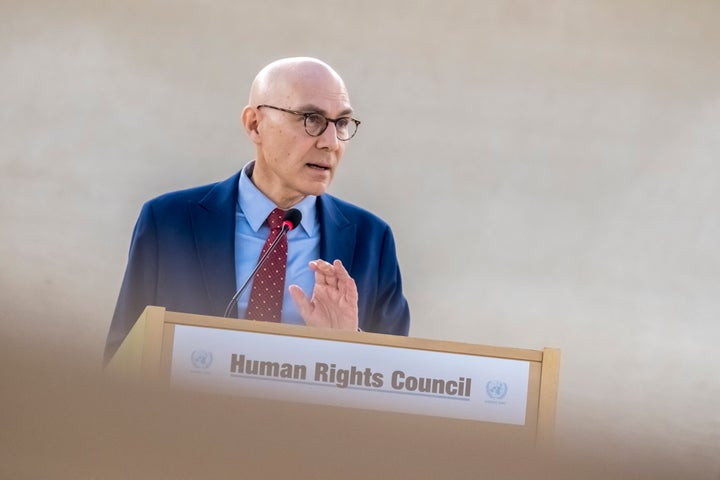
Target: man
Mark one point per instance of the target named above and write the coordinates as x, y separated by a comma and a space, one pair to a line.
192, 249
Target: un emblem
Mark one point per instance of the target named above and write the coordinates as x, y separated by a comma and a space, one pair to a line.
496, 389
201, 359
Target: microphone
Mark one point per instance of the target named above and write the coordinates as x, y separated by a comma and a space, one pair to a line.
290, 220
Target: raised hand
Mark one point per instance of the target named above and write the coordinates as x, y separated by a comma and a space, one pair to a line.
334, 302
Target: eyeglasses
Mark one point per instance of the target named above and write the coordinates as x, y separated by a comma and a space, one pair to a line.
316, 124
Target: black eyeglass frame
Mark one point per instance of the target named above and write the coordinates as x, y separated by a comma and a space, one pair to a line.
306, 115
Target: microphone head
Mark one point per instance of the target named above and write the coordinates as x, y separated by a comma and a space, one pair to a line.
292, 218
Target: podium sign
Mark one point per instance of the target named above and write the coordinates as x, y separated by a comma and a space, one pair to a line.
327, 372
508, 390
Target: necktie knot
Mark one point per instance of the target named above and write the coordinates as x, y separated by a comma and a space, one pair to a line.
275, 219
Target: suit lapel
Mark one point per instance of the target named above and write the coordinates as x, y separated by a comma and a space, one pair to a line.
213, 223
337, 234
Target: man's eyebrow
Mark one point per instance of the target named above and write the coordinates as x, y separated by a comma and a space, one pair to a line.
309, 107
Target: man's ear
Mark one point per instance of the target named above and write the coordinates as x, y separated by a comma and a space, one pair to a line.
251, 122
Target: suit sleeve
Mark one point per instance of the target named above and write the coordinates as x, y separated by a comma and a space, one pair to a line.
139, 283
391, 312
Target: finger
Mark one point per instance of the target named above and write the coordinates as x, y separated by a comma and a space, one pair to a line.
324, 273
345, 282
320, 265
323, 278
302, 303
340, 270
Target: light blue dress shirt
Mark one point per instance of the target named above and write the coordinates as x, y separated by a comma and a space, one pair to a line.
251, 232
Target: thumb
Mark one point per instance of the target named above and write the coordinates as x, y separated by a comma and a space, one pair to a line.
301, 301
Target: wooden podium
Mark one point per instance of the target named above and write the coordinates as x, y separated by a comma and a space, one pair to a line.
483, 390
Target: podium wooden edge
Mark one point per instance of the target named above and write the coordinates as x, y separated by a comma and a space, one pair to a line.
547, 408
141, 351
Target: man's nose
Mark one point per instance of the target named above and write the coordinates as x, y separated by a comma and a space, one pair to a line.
328, 140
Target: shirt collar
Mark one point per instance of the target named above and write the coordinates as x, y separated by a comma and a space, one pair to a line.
256, 206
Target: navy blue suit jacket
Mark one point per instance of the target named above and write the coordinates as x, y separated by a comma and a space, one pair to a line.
182, 257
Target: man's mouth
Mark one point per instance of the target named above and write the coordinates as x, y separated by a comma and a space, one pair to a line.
318, 166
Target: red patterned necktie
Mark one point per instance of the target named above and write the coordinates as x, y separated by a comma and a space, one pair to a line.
266, 297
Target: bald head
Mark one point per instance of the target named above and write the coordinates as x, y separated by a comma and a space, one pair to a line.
281, 80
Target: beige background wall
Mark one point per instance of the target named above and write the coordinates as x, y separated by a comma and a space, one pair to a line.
549, 168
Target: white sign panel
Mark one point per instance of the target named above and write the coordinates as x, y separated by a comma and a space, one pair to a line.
351, 374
